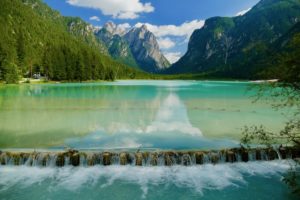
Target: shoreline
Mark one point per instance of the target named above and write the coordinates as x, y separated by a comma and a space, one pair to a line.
41, 82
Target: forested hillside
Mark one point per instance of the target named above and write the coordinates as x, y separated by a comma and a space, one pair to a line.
36, 39
236, 47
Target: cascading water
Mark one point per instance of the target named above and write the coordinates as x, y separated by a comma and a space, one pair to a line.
163, 158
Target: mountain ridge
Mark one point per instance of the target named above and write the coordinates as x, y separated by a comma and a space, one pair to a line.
228, 46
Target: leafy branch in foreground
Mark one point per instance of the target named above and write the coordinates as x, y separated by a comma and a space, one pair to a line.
280, 96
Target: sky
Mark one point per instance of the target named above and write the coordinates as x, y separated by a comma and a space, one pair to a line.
171, 21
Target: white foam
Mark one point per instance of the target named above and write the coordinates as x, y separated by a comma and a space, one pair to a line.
197, 178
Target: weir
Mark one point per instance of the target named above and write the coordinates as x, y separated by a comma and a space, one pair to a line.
145, 158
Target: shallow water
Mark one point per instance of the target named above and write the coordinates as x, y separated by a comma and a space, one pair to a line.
255, 180
131, 114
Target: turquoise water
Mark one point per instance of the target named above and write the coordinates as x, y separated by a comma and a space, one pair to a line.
255, 180
133, 115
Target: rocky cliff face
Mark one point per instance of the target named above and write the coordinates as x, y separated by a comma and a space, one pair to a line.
117, 46
137, 48
145, 50
230, 46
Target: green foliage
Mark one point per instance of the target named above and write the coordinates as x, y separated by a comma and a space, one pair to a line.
240, 47
285, 54
36, 39
11, 74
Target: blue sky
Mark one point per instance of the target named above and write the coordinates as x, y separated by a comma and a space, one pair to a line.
172, 21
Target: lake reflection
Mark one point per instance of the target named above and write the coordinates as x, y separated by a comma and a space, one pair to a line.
130, 114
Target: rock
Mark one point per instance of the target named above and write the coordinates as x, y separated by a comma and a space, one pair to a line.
60, 160
123, 158
244, 155
295, 152
272, 154
92, 159
16, 158
138, 159
72, 151
45, 159
75, 159
283, 152
214, 158
258, 154
168, 160
199, 158
230, 156
25, 157
106, 158
3, 159
186, 159
145, 50
154, 159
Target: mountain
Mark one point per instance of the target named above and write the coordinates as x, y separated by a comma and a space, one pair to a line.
145, 49
74, 25
36, 39
230, 47
137, 48
117, 46
284, 55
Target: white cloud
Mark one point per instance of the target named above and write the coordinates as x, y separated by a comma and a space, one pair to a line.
124, 26
122, 9
186, 29
165, 43
172, 56
241, 13
95, 18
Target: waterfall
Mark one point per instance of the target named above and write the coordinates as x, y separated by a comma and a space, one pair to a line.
155, 158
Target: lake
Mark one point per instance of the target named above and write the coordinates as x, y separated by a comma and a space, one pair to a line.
132, 115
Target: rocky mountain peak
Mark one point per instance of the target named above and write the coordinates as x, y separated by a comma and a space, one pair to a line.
145, 49
114, 29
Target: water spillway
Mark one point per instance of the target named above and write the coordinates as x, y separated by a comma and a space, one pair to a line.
145, 158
